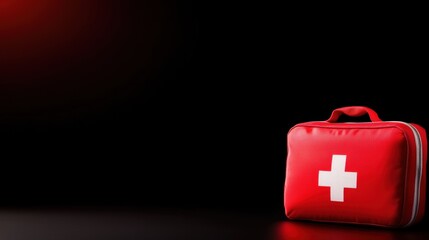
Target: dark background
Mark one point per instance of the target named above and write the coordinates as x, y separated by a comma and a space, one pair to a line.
187, 104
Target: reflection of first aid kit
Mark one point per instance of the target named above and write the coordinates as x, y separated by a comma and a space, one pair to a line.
371, 173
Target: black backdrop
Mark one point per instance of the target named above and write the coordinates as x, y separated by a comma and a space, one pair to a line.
187, 104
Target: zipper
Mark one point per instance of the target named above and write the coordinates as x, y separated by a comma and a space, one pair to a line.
419, 169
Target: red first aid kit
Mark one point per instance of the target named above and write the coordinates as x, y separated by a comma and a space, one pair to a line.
359, 172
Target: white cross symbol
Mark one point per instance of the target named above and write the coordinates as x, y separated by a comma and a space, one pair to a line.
338, 179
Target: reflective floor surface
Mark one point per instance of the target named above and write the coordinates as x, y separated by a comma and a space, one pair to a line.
115, 223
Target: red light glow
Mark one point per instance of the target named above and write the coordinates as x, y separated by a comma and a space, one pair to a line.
55, 52
309, 230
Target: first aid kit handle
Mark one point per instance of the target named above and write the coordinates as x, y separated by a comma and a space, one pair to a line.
353, 111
